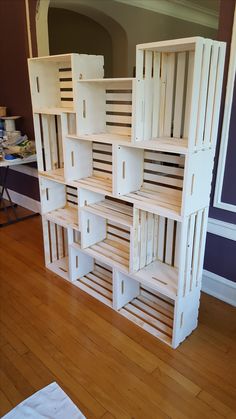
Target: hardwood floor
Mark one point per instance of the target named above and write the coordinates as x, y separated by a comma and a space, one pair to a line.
52, 331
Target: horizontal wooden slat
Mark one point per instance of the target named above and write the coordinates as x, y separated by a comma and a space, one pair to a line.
118, 107
117, 97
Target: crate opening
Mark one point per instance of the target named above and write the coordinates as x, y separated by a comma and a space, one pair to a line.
101, 168
105, 239
51, 82
56, 249
162, 183
92, 276
59, 203
50, 147
145, 307
106, 109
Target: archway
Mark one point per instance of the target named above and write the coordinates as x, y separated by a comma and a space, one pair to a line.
89, 10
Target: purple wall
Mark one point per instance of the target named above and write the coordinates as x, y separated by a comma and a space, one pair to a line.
220, 255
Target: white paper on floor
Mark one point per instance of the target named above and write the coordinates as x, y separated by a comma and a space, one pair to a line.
49, 403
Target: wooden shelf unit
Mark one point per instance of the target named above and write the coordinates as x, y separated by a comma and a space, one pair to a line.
125, 174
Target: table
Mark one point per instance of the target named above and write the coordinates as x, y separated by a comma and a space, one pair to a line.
3, 207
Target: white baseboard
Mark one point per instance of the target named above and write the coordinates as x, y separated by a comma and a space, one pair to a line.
219, 287
24, 201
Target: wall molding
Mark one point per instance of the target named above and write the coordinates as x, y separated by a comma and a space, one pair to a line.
24, 201
219, 287
218, 203
221, 228
180, 9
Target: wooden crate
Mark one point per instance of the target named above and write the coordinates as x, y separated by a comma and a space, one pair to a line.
89, 162
145, 307
53, 79
59, 203
49, 132
106, 229
178, 92
91, 275
166, 183
105, 109
56, 248
167, 254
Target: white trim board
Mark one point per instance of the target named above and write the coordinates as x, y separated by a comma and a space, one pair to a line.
219, 287
221, 228
24, 201
180, 9
226, 125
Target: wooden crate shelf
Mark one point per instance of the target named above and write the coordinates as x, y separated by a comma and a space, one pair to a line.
56, 248
113, 209
91, 275
59, 203
178, 90
145, 307
53, 79
125, 170
91, 164
105, 108
169, 184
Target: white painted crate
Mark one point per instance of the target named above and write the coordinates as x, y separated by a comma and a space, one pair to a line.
49, 132
59, 203
178, 92
106, 109
56, 248
89, 162
91, 275
106, 229
171, 321
167, 183
53, 79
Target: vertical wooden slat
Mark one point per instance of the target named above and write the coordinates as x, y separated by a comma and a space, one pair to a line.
148, 96
196, 83
46, 241
169, 94
189, 253
179, 94
169, 241
150, 236
155, 238
203, 93
202, 245
65, 241
53, 141
38, 141
53, 241
143, 239
177, 244
60, 242
161, 239
217, 101
59, 141
156, 94
196, 249
46, 138
162, 93
188, 94
211, 93
139, 105
135, 242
